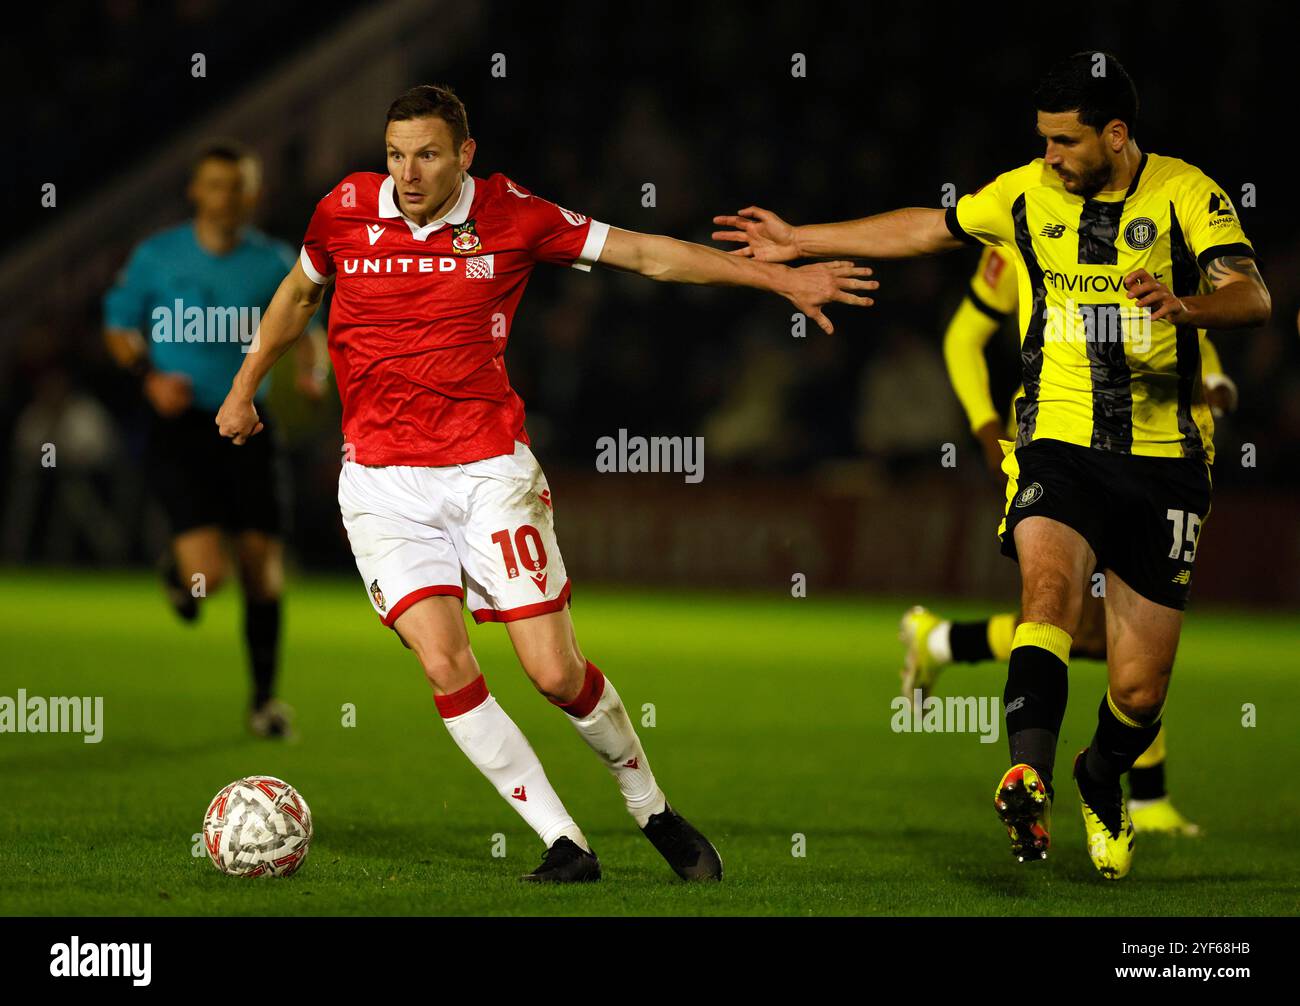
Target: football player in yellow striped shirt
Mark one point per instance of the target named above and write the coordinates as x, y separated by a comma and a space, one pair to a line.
933, 642
1122, 258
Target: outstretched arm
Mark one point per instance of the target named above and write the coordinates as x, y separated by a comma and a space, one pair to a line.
671, 261
904, 233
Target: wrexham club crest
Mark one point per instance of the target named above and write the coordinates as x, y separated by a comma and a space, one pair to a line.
378, 595
463, 239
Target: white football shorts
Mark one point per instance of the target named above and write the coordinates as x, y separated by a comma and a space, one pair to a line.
420, 532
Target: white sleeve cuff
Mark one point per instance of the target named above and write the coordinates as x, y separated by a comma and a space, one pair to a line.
305, 261
592, 247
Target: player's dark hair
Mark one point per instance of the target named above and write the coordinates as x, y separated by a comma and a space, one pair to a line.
436, 101
220, 150
1094, 84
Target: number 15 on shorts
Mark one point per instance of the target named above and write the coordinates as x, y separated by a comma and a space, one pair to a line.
1187, 529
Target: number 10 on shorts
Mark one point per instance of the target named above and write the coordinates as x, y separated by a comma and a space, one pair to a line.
528, 545
1185, 523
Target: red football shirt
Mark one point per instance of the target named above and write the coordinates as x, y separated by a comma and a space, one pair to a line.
421, 315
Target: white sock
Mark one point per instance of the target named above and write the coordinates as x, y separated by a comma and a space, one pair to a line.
499, 749
608, 731
939, 642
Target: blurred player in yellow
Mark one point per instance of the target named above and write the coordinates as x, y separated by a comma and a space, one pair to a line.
932, 642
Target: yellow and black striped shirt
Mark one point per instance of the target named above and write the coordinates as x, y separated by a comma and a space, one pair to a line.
991, 299
1097, 371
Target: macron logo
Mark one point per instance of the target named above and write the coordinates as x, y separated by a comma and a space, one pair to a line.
75, 959
373, 232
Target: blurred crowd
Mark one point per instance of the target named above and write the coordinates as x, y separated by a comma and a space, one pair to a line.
700, 104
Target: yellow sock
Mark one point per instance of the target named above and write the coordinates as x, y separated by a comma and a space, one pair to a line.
1155, 754
1002, 628
1045, 636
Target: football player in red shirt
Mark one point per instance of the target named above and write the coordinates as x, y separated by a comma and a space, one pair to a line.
438, 486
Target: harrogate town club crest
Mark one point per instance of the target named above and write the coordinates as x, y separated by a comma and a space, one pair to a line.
463, 239
1140, 234
378, 595
1032, 493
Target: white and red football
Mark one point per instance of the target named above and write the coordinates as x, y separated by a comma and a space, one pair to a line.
259, 826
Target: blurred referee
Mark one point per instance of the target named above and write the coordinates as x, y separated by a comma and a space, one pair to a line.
211, 490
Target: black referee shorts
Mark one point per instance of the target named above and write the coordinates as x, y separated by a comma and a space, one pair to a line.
1141, 515
201, 478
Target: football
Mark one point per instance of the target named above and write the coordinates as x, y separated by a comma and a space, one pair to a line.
259, 826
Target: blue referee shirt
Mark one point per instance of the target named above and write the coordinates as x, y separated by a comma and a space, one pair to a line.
196, 310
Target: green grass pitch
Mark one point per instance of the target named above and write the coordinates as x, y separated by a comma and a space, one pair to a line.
772, 719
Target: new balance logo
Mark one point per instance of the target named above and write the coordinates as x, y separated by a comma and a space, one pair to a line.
1183, 577
519, 793
373, 231
1015, 704
1052, 230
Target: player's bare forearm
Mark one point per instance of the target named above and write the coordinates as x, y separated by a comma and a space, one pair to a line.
1239, 300
290, 311
1235, 306
669, 260
764, 236
904, 233
281, 326
285, 319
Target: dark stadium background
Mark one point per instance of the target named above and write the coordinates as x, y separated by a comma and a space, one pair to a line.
822, 453
775, 715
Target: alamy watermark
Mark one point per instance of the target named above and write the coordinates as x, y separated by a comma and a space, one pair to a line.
59, 714
952, 714
181, 323
75, 959
651, 454
1098, 323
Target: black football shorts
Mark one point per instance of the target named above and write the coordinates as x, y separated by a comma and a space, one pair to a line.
1141, 515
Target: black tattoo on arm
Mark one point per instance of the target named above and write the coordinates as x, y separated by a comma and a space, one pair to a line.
1221, 269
